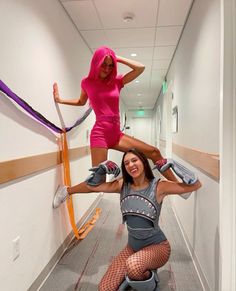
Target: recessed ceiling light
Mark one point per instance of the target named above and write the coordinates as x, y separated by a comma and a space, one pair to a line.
133, 55
137, 81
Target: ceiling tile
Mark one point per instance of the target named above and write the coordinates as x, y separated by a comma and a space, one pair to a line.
168, 35
148, 103
112, 13
155, 93
173, 12
131, 37
163, 52
142, 52
95, 38
161, 64
83, 14
156, 83
158, 74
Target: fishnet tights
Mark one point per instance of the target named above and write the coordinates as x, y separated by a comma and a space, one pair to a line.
135, 265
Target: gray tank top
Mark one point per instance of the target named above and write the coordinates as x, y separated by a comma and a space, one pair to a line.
141, 212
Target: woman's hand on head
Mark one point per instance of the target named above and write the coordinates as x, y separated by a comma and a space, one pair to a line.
137, 69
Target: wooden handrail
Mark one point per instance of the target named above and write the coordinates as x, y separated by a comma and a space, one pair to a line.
14, 169
208, 163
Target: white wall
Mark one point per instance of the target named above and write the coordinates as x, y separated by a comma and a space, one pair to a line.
39, 45
195, 77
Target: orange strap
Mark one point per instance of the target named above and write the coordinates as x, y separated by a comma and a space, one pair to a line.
84, 230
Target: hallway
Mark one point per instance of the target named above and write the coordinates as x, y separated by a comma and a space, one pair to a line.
183, 103
84, 262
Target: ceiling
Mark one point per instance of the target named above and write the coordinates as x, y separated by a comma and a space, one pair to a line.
152, 33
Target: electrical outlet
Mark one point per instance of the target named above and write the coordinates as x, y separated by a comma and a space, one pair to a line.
16, 248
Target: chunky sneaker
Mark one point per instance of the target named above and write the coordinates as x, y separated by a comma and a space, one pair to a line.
162, 165
98, 175
60, 196
96, 179
184, 173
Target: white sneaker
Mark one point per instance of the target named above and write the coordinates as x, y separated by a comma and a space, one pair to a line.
60, 196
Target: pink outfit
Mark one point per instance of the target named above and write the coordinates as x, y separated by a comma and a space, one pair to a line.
104, 97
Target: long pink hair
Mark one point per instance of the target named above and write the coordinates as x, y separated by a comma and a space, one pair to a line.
98, 58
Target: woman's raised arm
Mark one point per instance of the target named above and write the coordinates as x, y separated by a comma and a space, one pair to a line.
165, 188
137, 69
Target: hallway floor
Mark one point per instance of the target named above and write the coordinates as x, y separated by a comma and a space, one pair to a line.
85, 262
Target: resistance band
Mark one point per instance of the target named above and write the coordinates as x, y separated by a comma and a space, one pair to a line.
67, 181
86, 228
35, 114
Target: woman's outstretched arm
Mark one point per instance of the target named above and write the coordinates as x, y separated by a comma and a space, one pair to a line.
76, 102
165, 188
137, 69
63, 192
107, 187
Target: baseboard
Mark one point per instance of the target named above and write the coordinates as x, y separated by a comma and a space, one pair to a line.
37, 284
194, 258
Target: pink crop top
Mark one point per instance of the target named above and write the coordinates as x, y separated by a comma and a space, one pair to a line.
103, 97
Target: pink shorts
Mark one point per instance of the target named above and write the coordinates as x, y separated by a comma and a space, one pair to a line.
105, 133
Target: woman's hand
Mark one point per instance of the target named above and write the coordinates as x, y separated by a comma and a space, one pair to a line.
56, 93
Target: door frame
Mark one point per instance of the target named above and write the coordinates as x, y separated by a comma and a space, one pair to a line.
167, 101
227, 215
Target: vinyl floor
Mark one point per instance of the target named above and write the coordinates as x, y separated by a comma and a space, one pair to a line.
84, 262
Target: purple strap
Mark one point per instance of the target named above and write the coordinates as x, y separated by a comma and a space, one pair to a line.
80, 120
36, 114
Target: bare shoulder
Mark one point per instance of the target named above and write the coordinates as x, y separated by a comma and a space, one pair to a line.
120, 183
160, 186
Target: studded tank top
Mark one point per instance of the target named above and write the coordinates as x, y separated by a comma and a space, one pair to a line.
141, 211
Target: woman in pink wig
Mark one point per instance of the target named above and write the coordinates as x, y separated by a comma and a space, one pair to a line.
102, 88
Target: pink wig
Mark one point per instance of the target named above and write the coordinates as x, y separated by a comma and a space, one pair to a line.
98, 58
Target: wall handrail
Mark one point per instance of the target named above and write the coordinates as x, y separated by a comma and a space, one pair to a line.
208, 163
21, 167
